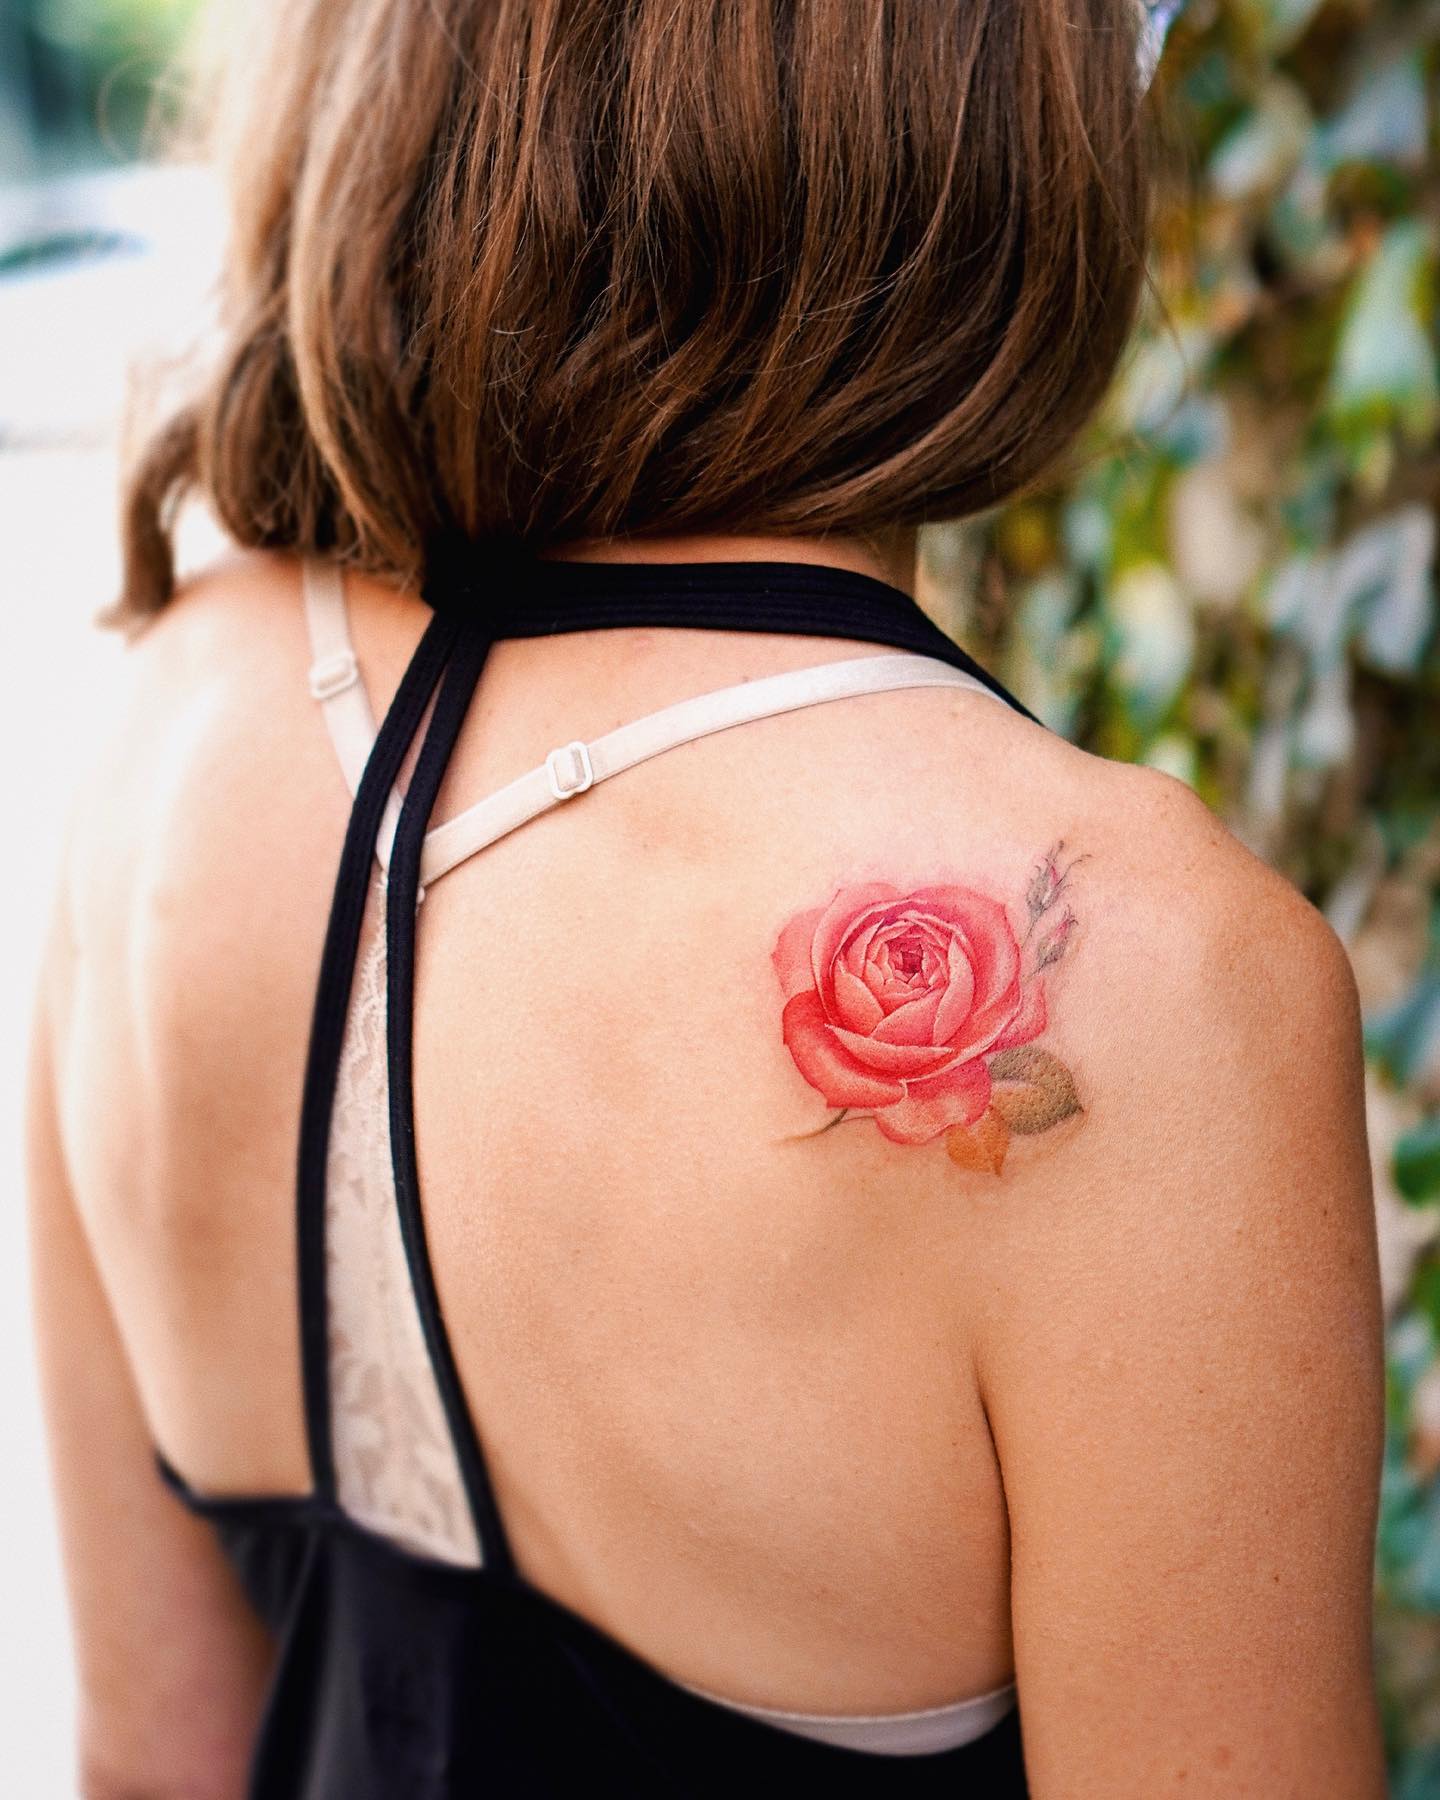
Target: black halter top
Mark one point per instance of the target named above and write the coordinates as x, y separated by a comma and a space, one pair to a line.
403, 1677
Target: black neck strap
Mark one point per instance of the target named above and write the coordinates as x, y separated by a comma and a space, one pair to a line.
531, 597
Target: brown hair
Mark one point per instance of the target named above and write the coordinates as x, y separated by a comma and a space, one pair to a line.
559, 269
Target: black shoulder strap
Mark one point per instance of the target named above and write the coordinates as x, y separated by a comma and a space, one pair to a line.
327, 1030
402, 900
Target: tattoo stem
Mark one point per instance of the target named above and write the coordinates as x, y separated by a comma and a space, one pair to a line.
796, 1137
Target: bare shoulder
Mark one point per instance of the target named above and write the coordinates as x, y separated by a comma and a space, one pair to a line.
1206, 1010
1214, 992
1081, 944
1176, 1328
191, 851
1191, 918
224, 627
220, 622
214, 687
1190, 940
204, 674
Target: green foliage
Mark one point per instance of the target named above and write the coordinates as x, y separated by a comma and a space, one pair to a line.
1417, 1162
1235, 581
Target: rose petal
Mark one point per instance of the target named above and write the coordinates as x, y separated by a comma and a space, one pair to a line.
953, 904
913, 1023
958, 1097
909, 917
791, 954
854, 1004
985, 1023
855, 957
888, 984
839, 919
855, 951
989, 936
958, 1000
1029, 1020
825, 1063
995, 972
909, 1060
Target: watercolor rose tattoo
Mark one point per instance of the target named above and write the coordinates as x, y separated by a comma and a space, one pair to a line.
922, 1008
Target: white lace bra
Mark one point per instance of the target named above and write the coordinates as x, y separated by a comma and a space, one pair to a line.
395, 1463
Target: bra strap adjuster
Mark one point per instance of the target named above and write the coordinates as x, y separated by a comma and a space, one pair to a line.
332, 674
566, 782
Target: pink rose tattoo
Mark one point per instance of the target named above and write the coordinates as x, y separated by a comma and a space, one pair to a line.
923, 1007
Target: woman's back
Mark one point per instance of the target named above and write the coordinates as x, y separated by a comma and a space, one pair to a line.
745, 1387
652, 1289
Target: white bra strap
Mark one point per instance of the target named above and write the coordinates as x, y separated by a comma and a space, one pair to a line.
335, 682
574, 767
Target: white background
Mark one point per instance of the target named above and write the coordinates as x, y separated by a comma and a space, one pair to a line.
56, 562
67, 334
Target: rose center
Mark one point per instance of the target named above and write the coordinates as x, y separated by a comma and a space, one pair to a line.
909, 959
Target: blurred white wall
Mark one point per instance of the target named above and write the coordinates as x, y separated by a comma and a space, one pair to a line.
57, 564
68, 328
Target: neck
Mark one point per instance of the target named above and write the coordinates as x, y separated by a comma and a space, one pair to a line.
887, 556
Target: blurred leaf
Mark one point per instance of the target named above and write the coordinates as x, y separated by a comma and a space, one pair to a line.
1154, 635
1048, 659
1085, 524
1411, 1345
1303, 599
1301, 227
1156, 16
1422, 1586
1157, 375
1216, 547
1026, 538
1378, 583
1325, 727
1173, 755
111, 26
1385, 365
1385, 120
1261, 149
1278, 23
1308, 505
1209, 83
1417, 1162
1418, 1777
1388, 567
1405, 1039
1195, 431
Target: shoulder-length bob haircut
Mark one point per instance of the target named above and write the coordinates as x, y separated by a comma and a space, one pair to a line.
552, 270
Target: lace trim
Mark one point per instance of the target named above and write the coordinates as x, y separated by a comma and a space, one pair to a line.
395, 1465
